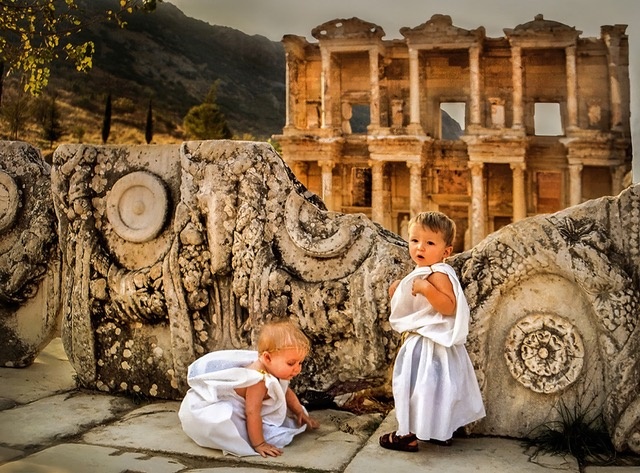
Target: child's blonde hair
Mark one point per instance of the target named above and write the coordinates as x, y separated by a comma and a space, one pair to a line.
280, 335
436, 222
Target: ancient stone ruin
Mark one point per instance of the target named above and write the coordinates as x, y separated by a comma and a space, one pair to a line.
144, 258
488, 130
29, 257
168, 252
555, 309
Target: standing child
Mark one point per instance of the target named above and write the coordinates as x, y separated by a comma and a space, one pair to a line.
435, 390
240, 401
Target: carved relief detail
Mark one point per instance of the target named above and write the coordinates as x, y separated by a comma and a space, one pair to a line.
9, 200
544, 353
137, 206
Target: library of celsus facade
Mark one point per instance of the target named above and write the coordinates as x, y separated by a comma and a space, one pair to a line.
488, 130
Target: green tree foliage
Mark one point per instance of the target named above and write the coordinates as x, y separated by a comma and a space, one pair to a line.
33, 33
206, 121
148, 130
106, 120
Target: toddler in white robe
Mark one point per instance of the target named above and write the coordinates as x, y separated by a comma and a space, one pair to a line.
435, 389
240, 402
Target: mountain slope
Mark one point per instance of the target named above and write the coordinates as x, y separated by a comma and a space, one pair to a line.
174, 60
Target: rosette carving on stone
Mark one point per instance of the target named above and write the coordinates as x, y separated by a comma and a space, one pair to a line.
544, 353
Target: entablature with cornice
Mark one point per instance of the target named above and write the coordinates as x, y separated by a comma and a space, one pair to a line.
439, 33
542, 34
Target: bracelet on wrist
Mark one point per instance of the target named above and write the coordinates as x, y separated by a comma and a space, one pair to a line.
259, 445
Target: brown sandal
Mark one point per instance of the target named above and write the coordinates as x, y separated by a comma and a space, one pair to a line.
405, 443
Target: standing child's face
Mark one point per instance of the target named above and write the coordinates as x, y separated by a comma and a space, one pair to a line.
427, 247
284, 364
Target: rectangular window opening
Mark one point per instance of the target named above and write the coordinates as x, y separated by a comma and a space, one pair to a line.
452, 120
547, 119
360, 118
361, 187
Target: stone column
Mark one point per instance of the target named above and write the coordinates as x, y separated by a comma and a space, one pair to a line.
516, 77
301, 171
289, 80
478, 203
377, 191
327, 182
519, 195
474, 77
374, 77
572, 88
575, 184
617, 176
415, 189
325, 89
612, 40
414, 89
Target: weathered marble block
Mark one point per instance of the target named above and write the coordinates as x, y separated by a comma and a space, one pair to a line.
164, 253
29, 258
555, 309
169, 253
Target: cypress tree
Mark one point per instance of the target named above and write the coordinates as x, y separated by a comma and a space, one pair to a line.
148, 131
106, 121
51, 128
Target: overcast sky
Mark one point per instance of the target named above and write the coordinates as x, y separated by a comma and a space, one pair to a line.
275, 18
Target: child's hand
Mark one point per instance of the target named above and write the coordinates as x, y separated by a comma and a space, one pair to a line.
303, 418
393, 287
266, 449
419, 286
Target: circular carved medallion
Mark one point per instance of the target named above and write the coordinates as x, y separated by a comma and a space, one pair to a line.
137, 206
544, 353
9, 200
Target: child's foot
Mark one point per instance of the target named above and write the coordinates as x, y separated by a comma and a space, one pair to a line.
441, 443
403, 443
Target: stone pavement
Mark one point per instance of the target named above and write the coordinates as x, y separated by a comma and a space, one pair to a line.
49, 426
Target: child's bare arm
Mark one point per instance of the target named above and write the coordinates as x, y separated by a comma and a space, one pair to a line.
393, 287
293, 403
437, 288
253, 410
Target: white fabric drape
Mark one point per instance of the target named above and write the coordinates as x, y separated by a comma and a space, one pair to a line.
435, 389
213, 414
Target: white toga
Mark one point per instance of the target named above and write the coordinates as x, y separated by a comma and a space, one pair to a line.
213, 414
435, 389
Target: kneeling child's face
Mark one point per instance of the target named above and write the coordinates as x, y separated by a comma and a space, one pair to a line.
286, 363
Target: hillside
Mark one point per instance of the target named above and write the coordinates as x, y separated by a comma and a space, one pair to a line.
172, 60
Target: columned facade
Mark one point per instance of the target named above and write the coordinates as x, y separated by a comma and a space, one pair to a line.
368, 129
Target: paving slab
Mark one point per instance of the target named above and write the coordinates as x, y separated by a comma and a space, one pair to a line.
57, 417
481, 454
226, 469
50, 373
156, 428
78, 458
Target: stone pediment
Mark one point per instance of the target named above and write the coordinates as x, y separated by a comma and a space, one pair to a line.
352, 28
439, 30
542, 33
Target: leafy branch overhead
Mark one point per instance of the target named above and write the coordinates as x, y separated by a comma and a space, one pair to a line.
36, 32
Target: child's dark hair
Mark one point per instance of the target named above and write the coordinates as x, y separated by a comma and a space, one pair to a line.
436, 222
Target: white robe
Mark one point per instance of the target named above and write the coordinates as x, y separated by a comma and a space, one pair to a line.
213, 414
435, 389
